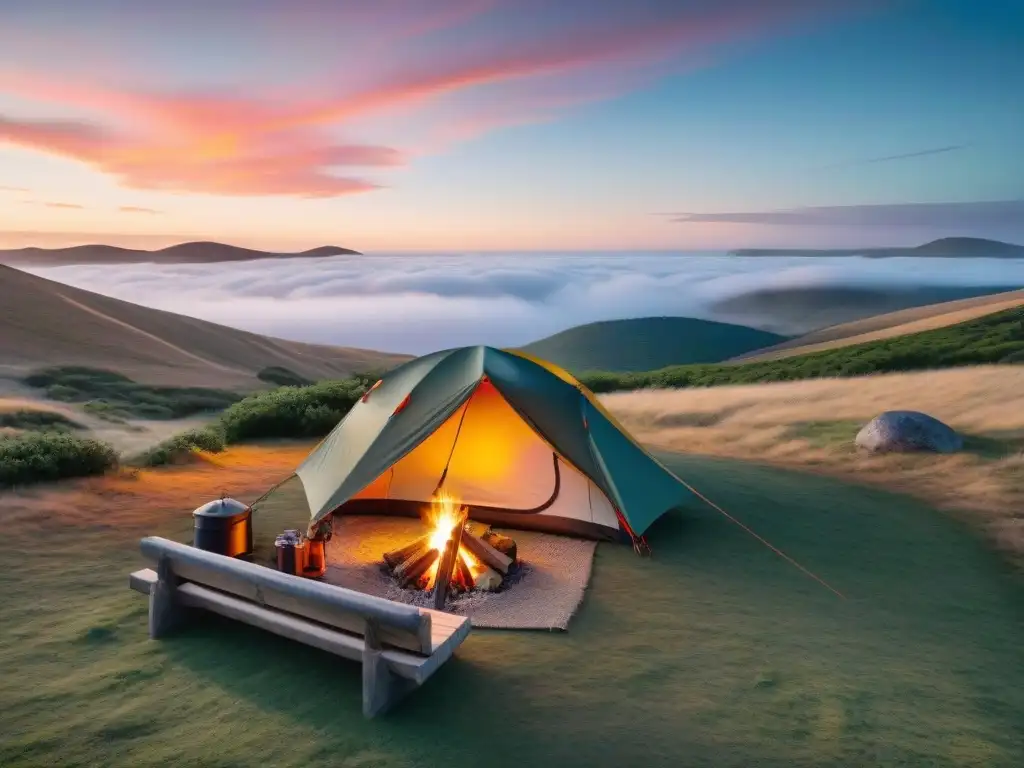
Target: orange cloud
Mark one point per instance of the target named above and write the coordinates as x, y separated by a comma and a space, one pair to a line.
69, 206
281, 144
137, 209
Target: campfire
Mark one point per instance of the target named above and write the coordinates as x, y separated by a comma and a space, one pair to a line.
454, 556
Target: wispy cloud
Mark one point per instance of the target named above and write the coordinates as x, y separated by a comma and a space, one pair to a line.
902, 156
239, 143
943, 216
68, 206
137, 209
13, 189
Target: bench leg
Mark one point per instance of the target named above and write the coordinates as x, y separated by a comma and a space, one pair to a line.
165, 613
382, 688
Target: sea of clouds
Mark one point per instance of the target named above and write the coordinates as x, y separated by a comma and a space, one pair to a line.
420, 303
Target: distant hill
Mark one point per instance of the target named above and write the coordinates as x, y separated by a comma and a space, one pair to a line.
184, 253
643, 344
45, 323
799, 310
889, 325
945, 248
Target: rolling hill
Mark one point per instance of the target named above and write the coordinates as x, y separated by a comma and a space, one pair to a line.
183, 253
799, 310
646, 343
944, 248
45, 323
889, 325
996, 338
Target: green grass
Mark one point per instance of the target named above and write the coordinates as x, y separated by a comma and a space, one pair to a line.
648, 343
995, 338
33, 457
116, 397
714, 652
37, 421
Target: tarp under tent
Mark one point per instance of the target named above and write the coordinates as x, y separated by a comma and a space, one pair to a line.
518, 440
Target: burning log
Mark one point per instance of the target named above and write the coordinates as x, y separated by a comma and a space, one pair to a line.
443, 578
488, 554
400, 555
416, 566
465, 575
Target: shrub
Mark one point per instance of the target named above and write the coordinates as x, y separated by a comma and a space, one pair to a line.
291, 412
35, 457
115, 397
37, 421
282, 377
209, 439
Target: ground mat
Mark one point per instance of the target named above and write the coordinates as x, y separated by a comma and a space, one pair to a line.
547, 591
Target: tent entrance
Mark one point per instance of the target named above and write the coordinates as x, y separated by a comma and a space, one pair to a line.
491, 460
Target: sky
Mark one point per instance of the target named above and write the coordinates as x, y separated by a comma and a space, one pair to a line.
468, 126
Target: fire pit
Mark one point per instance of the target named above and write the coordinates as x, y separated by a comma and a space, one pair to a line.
454, 556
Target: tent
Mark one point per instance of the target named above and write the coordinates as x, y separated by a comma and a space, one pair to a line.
516, 439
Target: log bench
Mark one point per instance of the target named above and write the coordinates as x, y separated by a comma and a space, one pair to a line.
399, 645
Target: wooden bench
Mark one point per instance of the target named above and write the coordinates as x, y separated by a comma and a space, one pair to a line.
399, 645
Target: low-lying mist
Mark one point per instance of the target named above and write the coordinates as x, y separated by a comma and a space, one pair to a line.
417, 304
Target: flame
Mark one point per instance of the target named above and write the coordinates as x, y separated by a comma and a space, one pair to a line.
441, 517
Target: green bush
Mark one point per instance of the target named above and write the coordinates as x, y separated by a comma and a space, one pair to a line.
995, 338
291, 412
282, 377
37, 421
34, 457
116, 397
210, 439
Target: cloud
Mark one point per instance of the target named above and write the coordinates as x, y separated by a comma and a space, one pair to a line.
418, 304
939, 216
259, 140
902, 156
68, 206
13, 189
137, 209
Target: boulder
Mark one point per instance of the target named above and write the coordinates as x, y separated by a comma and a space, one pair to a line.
905, 431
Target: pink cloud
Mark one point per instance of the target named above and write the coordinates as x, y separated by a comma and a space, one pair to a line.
285, 143
137, 209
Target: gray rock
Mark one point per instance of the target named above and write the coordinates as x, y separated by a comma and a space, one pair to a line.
903, 431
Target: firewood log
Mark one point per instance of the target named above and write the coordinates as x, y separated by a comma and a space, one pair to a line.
419, 567
444, 568
465, 573
400, 555
487, 553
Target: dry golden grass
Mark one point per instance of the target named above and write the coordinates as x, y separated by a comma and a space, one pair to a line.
44, 323
810, 424
889, 325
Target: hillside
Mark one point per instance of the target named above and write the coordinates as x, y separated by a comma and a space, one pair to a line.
994, 338
44, 323
801, 309
889, 325
944, 248
184, 253
643, 344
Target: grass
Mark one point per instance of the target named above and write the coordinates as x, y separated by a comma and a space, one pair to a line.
712, 653
812, 424
995, 338
647, 343
33, 457
116, 397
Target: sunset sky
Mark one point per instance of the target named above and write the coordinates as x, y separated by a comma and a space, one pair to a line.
471, 125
